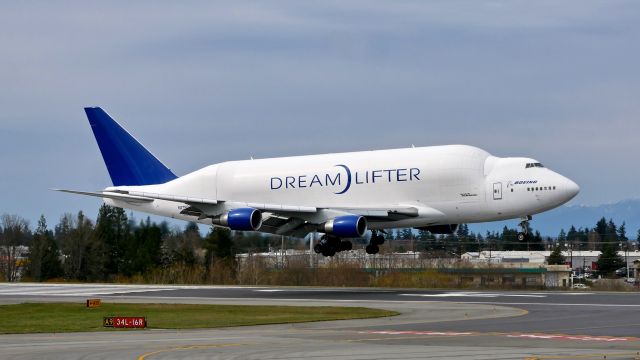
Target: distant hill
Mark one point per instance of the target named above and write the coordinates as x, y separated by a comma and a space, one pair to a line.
550, 223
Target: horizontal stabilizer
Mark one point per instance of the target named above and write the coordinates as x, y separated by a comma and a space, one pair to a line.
108, 195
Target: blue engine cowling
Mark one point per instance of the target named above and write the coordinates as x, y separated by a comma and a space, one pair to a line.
348, 226
245, 219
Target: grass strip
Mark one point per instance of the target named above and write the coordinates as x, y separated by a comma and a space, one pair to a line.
74, 317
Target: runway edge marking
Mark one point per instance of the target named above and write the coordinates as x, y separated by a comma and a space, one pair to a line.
534, 336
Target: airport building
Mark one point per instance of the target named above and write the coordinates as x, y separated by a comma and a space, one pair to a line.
577, 259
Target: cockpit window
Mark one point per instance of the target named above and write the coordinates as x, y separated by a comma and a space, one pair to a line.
530, 165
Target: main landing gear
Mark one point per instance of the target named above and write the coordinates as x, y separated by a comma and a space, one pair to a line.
376, 240
329, 245
524, 225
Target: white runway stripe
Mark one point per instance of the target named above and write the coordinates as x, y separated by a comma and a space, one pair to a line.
75, 289
475, 294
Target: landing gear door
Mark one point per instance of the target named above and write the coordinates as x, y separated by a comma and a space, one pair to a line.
497, 191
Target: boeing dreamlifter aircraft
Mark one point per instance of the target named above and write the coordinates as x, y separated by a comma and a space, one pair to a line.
341, 195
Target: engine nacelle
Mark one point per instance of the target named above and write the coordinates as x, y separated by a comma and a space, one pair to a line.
245, 219
447, 229
348, 226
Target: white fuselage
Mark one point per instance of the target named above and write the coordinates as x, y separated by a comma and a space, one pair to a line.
453, 184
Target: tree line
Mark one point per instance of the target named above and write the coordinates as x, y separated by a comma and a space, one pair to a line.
603, 235
116, 247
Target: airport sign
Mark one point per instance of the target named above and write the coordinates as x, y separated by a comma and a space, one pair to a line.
93, 303
125, 322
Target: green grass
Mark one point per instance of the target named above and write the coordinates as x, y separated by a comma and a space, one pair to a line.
68, 317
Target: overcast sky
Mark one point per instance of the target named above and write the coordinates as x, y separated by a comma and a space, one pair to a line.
203, 82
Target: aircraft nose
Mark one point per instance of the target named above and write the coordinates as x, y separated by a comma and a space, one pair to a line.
571, 189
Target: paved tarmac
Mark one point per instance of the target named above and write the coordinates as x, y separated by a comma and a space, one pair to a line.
433, 325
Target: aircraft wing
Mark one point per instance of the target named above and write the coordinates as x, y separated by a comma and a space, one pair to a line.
281, 219
300, 224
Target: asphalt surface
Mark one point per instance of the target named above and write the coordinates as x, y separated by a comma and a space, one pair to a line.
433, 325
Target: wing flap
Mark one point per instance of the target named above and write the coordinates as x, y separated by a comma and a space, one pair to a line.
383, 211
167, 197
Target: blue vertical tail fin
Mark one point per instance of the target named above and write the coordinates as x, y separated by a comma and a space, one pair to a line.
128, 162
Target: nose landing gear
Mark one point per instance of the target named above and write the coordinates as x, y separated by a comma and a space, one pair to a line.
524, 225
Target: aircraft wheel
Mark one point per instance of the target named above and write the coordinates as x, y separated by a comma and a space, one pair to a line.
378, 240
521, 236
346, 246
372, 249
317, 249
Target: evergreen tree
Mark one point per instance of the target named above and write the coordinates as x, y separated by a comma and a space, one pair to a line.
427, 241
509, 240
51, 264
572, 235
622, 233
562, 237
406, 234
609, 260
535, 242
184, 244
463, 231
601, 228
83, 255
556, 257
218, 245
44, 256
424, 234
36, 250
612, 232
112, 236
192, 229
143, 252
63, 229
582, 242
467, 240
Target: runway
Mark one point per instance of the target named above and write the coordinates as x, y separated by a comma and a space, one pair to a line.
433, 325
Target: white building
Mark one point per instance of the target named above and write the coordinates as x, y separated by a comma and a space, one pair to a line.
578, 259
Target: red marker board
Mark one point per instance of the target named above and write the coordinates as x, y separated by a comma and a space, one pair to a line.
126, 322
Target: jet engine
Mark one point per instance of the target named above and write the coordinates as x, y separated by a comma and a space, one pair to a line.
246, 219
348, 226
